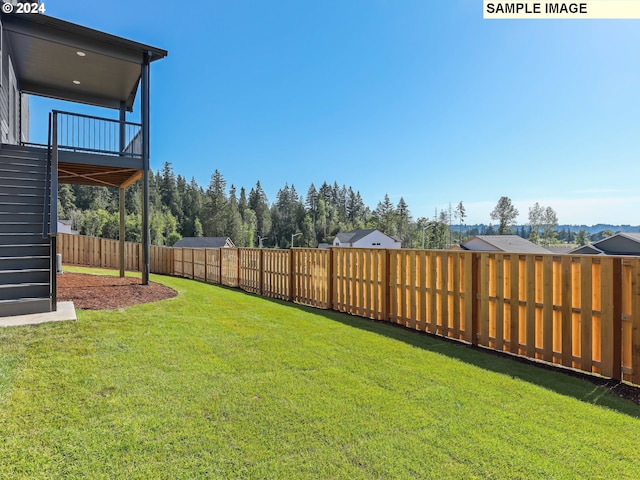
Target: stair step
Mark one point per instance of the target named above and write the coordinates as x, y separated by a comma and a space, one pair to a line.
21, 184
21, 227
30, 182
20, 208
24, 290
27, 249
27, 275
8, 171
17, 263
21, 238
24, 306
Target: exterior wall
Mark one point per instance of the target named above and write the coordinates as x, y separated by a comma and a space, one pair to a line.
377, 240
10, 103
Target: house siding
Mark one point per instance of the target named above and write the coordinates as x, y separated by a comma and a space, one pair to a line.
14, 107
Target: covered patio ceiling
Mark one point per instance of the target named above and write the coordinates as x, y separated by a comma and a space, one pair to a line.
62, 60
66, 61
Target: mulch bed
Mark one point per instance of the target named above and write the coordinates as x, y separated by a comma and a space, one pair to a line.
97, 292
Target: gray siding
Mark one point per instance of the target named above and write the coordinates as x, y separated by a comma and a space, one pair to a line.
11, 119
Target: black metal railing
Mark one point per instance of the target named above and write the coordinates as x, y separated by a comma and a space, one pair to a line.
85, 133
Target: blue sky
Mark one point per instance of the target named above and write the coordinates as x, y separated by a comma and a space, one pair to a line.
421, 99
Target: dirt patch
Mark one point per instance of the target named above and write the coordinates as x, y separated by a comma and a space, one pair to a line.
98, 292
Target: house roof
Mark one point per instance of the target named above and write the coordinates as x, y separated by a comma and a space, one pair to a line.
204, 242
354, 235
622, 243
559, 248
588, 249
46, 61
503, 243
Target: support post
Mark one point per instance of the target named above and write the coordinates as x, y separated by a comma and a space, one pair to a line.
146, 69
122, 146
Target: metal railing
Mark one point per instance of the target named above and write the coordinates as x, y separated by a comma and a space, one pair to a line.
85, 133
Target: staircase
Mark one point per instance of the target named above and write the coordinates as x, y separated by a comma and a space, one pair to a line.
25, 256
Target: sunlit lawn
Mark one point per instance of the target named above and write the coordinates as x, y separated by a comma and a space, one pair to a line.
216, 383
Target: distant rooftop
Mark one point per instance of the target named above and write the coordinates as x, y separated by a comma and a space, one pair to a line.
502, 243
204, 242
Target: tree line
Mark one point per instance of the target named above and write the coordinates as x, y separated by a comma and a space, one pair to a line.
181, 208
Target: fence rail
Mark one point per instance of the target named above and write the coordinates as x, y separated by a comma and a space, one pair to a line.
581, 312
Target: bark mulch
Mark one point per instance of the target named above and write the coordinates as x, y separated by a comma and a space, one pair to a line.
97, 292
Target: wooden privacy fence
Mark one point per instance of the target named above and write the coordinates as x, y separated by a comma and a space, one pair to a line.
581, 312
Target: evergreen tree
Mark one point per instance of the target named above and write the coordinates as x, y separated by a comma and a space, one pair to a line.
505, 213
215, 210
259, 204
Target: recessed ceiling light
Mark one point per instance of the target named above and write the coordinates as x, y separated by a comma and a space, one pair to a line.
81, 54
77, 82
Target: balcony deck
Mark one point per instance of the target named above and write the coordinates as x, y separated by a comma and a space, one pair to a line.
94, 151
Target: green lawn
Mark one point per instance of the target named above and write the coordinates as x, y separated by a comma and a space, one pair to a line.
216, 383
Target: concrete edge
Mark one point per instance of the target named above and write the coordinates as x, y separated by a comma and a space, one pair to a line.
66, 311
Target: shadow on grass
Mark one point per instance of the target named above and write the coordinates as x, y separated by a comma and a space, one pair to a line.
586, 388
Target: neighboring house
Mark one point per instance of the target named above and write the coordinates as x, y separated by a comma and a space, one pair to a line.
502, 243
65, 226
618, 244
204, 242
366, 239
45, 56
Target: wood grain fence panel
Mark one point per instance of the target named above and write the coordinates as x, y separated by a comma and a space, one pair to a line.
635, 323
199, 263
547, 313
276, 274
608, 282
470, 301
422, 291
444, 294
485, 279
499, 302
627, 315
514, 303
586, 324
433, 292
456, 281
567, 303
530, 319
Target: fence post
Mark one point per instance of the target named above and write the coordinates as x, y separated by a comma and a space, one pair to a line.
220, 261
475, 288
330, 273
193, 264
261, 272
387, 286
291, 274
205, 266
238, 270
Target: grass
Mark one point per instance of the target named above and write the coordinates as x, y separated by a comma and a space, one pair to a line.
216, 383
